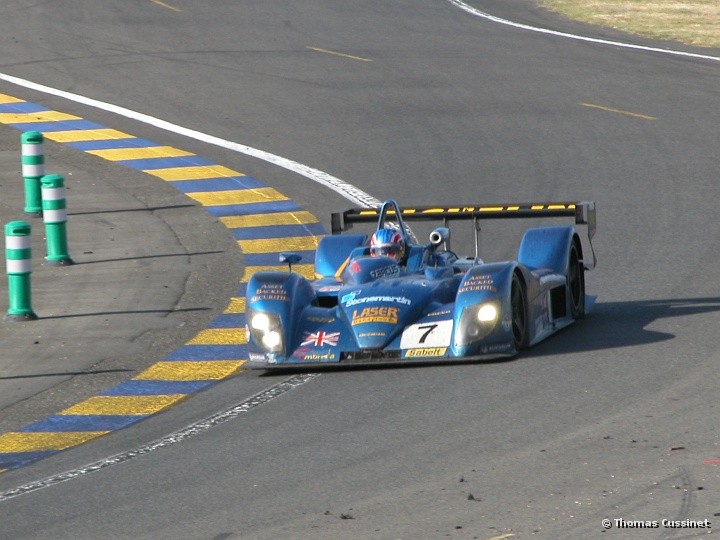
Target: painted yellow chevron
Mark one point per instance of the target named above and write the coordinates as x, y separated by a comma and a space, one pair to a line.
33, 442
191, 371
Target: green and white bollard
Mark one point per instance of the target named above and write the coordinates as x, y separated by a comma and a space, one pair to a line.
18, 256
55, 217
33, 169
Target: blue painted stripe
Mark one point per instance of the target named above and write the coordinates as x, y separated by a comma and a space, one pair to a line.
228, 320
64, 125
112, 144
253, 208
14, 460
157, 388
242, 291
149, 164
227, 183
273, 259
86, 422
208, 352
22, 107
278, 231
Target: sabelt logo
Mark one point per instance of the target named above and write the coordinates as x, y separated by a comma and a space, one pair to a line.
375, 315
421, 353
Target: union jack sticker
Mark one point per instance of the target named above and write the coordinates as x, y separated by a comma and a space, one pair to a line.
320, 339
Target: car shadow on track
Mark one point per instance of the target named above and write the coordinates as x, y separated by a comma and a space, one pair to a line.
615, 325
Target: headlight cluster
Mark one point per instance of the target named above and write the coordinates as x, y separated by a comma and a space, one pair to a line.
266, 331
477, 322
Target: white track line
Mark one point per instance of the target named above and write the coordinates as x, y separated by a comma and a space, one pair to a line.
350, 192
478, 13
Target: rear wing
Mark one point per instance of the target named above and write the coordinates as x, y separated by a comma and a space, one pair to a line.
582, 212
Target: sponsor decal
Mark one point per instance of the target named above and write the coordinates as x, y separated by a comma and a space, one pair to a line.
372, 334
312, 355
543, 321
421, 353
496, 348
473, 209
320, 319
482, 282
330, 288
375, 315
255, 357
350, 300
320, 339
545, 309
507, 323
386, 271
348, 297
270, 291
326, 357
439, 313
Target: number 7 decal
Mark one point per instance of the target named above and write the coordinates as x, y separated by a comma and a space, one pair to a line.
431, 334
430, 328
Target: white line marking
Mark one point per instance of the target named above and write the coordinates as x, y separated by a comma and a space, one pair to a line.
350, 192
163, 4
478, 13
339, 54
256, 401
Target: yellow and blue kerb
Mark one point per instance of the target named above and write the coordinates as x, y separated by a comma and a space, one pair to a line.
264, 222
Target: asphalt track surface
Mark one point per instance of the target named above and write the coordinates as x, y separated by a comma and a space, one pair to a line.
421, 101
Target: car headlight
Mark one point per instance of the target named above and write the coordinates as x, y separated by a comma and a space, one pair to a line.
477, 322
487, 313
266, 331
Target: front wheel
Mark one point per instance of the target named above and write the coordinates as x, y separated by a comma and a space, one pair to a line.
518, 305
576, 283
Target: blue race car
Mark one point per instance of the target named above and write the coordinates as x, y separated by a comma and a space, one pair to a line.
430, 307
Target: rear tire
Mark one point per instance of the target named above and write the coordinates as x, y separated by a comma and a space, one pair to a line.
576, 283
518, 304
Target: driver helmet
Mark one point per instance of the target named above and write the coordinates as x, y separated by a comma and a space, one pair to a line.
387, 243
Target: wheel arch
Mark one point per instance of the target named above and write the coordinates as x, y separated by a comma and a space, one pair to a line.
547, 248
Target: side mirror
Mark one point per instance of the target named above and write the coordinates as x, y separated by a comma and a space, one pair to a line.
290, 259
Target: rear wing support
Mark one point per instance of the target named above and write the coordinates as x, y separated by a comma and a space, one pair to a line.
583, 212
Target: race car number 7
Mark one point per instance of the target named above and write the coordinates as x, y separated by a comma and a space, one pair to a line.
430, 328
429, 334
